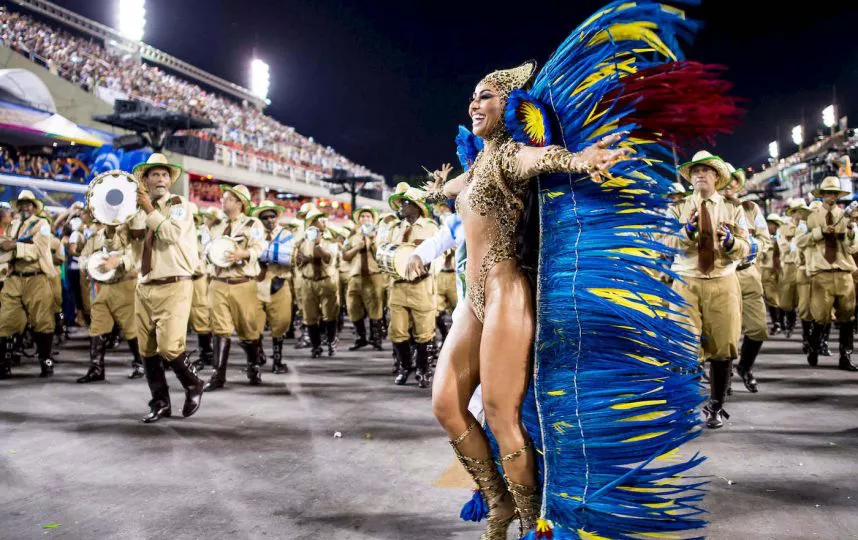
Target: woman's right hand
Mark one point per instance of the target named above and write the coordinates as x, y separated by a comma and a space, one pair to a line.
436, 183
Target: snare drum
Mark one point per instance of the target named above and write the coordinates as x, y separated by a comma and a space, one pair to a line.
217, 250
393, 258
112, 197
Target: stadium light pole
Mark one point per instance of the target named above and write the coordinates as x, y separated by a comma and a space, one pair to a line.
132, 18
798, 136
260, 79
829, 118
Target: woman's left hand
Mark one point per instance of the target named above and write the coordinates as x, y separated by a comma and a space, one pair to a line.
601, 157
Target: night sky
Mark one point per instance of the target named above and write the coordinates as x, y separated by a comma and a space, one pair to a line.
387, 83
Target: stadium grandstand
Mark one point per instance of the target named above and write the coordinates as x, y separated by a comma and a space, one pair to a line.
58, 70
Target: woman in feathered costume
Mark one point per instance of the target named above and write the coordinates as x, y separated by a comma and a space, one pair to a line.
586, 383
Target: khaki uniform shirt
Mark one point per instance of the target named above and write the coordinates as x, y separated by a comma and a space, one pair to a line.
248, 233
814, 242
174, 247
759, 238
789, 249
35, 254
366, 256
314, 267
721, 212
421, 230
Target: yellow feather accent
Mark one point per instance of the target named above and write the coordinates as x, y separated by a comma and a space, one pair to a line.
646, 417
532, 119
635, 31
567, 496
603, 130
543, 525
661, 535
622, 297
555, 393
643, 490
667, 504
647, 360
617, 182
561, 427
584, 535
641, 252
669, 455
645, 436
636, 404
672, 9
554, 194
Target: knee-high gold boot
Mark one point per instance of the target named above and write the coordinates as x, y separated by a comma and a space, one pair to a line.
528, 499
488, 479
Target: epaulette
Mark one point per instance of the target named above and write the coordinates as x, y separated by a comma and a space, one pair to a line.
176, 200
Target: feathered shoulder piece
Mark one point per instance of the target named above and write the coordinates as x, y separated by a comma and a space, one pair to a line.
468, 146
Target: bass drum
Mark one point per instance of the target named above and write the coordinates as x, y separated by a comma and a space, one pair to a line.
393, 258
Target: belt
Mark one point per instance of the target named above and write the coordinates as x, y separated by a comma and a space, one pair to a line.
168, 280
114, 281
197, 276
27, 274
744, 266
232, 281
445, 271
418, 280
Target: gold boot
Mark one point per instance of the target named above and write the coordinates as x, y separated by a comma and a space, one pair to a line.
488, 479
528, 499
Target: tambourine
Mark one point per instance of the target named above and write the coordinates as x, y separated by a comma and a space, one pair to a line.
93, 267
393, 258
112, 197
217, 250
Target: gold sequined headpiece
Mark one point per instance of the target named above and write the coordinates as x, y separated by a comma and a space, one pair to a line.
507, 80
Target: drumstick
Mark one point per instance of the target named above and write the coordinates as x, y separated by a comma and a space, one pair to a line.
427, 171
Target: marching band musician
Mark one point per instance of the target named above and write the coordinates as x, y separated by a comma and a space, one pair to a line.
165, 289
274, 280
5, 223
445, 274
303, 340
58, 254
315, 258
412, 303
770, 266
830, 244
233, 289
711, 242
114, 301
366, 282
28, 287
341, 235
790, 258
802, 282
201, 313
750, 281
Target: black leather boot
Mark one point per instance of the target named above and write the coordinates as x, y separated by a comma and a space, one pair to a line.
96, 361
776, 325
206, 351
750, 350
5, 357
277, 364
403, 358
333, 340
251, 351
136, 360
441, 325
375, 332
806, 327
790, 323
112, 338
190, 382
59, 327
262, 359
44, 347
315, 334
159, 405
17, 349
423, 374
846, 342
823, 346
220, 361
719, 374
814, 344
360, 330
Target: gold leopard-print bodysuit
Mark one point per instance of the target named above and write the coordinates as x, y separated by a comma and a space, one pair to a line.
490, 205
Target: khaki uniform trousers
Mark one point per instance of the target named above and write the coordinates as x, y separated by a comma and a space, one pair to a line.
57, 290
320, 300
114, 304
26, 300
713, 314
162, 318
343, 288
201, 307
85, 292
802, 287
753, 305
412, 311
298, 282
770, 287
235, 307
831, 290
278, 311
445, 291
788, 288
365, 296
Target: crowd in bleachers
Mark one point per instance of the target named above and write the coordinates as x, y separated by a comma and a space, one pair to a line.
40, 166
87, 63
